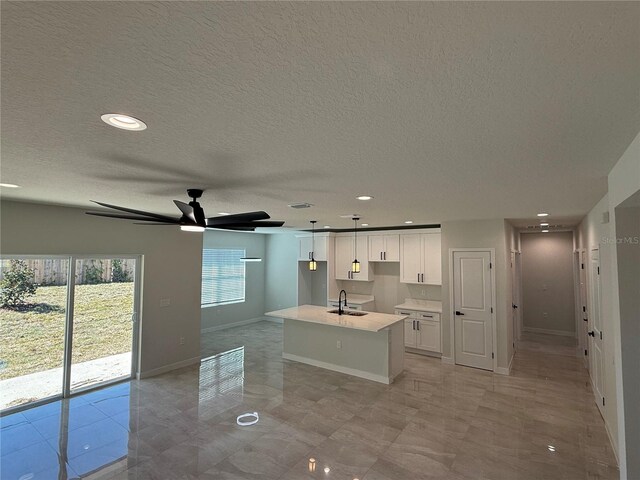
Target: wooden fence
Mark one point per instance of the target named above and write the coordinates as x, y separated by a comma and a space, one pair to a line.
53, 271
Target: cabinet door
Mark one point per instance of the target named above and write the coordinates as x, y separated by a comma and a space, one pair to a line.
410, 258
428, 335
391, 248
409, 333
432, 259
376, 248
304, 248
344, 257
365, 274
320, 248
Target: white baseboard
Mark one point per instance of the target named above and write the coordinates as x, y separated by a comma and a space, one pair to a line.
549, 332
338, 368
503, 370
274, 319
167, 368
240, 323
448, 360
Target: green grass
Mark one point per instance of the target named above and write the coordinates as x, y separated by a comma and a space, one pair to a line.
32, 340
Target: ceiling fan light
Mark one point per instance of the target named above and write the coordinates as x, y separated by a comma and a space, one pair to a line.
192, 228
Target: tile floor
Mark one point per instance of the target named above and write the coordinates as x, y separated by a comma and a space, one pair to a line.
436, 422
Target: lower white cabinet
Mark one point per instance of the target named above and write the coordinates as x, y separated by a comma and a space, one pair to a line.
422, 330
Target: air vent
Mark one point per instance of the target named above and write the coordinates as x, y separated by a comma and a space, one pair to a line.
300, 205
538, 227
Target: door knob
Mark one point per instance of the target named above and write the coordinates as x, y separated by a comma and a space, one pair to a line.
459, 313
514, 305
592, 333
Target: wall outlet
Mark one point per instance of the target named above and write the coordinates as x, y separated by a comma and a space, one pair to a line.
339, 344
545, 314
165, 302
424, 293
181, 340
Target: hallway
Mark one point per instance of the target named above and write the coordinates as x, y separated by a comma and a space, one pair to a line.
436, 422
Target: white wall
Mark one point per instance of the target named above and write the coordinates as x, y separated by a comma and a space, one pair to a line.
479, 234
548, 283
253, 307
281, 271
172, 268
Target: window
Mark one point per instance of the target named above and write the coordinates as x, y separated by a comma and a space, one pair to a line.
222, 276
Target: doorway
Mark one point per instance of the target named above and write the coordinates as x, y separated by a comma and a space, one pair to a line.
473, 299
595, 331
74, 326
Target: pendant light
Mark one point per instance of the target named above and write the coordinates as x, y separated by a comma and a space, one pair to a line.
355, 265
313, 265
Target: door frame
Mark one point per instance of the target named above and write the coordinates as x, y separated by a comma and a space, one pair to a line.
452, 319
65, 391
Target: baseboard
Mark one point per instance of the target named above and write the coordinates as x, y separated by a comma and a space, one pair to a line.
549, 332
614, 446
274, 320
338, 368
167, 368
240, 323
503, 370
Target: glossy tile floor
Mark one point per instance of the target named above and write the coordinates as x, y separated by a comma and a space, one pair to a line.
436, 422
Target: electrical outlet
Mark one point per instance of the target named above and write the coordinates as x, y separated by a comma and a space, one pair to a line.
339, 344
424, 292
181, 340
545, 314
165, 302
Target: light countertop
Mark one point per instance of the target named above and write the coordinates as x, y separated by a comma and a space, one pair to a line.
372, 321
355, 299
421, 305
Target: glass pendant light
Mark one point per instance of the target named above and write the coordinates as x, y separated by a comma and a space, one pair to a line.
313, 265
355, 265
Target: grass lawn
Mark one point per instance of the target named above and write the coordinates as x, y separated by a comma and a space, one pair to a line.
33, 340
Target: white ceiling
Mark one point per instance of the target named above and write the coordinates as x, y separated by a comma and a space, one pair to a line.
441, 111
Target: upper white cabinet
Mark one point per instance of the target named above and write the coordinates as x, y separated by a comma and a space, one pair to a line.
344, 255
306, 247
384, 248
420, 259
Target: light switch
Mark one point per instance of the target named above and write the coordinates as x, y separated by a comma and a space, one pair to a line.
165, 302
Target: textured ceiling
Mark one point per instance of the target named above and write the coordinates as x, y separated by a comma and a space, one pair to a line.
442, 111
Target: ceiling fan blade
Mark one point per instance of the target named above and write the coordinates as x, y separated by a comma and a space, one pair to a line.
252, 224
186, 209
237, 217
234, 228
132, 217
137, 212
154, 223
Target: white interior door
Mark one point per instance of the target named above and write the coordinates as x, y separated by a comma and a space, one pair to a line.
514, 300
595, 333
584, 327
473, 310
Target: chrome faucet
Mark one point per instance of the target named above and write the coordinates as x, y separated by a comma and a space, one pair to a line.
340, 309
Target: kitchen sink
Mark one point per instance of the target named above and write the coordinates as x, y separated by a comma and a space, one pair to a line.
353, 313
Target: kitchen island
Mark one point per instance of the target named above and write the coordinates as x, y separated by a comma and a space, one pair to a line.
369, 346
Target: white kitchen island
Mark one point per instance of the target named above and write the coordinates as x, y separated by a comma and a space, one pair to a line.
370, 346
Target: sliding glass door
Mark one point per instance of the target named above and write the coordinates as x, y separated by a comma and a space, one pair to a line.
66, 324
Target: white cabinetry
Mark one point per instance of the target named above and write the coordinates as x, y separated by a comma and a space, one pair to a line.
420, 259
306, 247
384, 248
344, 255
422, 330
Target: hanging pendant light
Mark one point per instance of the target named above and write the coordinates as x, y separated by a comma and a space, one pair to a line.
355, 265
313, 265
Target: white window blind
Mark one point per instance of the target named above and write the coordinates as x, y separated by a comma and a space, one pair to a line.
222, 276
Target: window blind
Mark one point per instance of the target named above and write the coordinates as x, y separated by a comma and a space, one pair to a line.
223, 276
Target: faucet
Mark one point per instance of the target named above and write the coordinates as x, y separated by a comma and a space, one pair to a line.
340, 309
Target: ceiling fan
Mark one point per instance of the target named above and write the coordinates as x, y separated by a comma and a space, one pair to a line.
192, 219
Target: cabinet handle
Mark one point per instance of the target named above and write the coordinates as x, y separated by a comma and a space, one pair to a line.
405, 313
418, 278
423, 278
385, 255
414, 324
380, 255
418, 324
427, 316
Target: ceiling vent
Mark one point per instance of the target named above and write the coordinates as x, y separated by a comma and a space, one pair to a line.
300, 205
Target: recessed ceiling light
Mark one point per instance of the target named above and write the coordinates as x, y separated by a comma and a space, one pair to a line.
408, 222
544, 224
543, 214
223, 213
365, 224
364, 197
9, 185
327, 226
124, 122
545, 231
551, 448
191, 228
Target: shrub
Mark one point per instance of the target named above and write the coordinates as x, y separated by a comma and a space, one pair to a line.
18, 284
118, 273
93, 273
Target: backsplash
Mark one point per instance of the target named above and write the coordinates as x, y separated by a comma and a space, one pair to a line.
387, 289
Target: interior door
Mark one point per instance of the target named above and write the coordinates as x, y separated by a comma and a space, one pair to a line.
473, 310
584, 327
595, 333
514, 299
